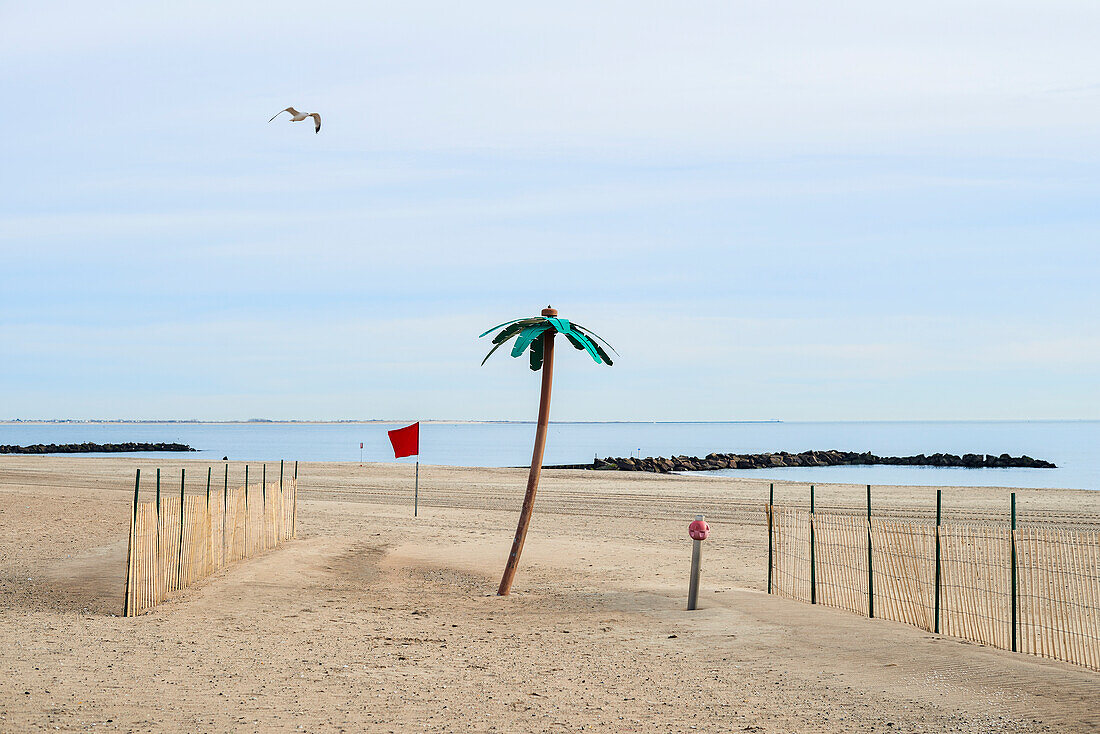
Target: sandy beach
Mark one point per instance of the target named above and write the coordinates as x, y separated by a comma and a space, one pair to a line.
375, 621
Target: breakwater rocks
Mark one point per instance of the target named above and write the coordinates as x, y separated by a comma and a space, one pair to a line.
92, 448
808, 458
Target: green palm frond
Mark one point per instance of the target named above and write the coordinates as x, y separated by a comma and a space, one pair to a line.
513, 329
528, 333
580, 341
561, 325
513, 321
490, 354
527, 336
603, 354
536, 354
589, 332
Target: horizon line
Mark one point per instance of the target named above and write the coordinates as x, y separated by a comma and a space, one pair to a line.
357, 421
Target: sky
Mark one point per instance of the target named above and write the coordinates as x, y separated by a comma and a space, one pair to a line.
787, 210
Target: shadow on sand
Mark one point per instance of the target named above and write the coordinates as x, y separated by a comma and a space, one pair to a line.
90, 583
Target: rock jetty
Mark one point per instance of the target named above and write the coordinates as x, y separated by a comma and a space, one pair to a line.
806, 458
92, 448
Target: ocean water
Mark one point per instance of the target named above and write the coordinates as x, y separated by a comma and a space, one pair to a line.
1073, 445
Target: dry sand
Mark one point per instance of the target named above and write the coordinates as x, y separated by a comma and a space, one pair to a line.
374, 621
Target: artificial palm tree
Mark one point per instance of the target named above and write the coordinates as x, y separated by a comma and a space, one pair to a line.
536, 336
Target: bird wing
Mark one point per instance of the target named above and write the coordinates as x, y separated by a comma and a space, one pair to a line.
291, 110
316, 121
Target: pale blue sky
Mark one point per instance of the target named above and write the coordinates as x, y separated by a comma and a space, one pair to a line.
793, 210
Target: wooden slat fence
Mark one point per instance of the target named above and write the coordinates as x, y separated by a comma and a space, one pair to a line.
841, 559
177, 540
1059, 593
903, 565
791, 538
1035, 589
976, 594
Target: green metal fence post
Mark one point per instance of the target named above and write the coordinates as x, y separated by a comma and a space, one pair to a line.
127, 608
939, 573
813, 567
158, 524
247, 515
1014, 579
263, 506
771, 501
209, 524
282, 504
225, 517
179, 557
870, 568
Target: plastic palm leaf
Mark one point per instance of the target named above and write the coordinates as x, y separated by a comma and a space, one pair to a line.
527, 332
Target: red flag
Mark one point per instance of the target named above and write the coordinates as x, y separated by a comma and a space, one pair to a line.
406, 441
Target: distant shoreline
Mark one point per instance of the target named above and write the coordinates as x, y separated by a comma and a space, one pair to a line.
373, 421
445, 421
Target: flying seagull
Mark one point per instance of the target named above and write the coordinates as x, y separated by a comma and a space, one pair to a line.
296, 116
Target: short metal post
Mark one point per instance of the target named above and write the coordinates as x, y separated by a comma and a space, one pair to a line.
696, 562
263, 507
813, 566
1014, 578
870, 570
771, 502
939, 573
282, 505
247, 517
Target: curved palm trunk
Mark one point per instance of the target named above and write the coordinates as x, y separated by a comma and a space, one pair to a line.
536, 459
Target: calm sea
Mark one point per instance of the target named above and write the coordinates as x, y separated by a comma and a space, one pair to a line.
1072, 445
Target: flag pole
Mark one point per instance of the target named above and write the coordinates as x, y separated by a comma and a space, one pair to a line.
416, 488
